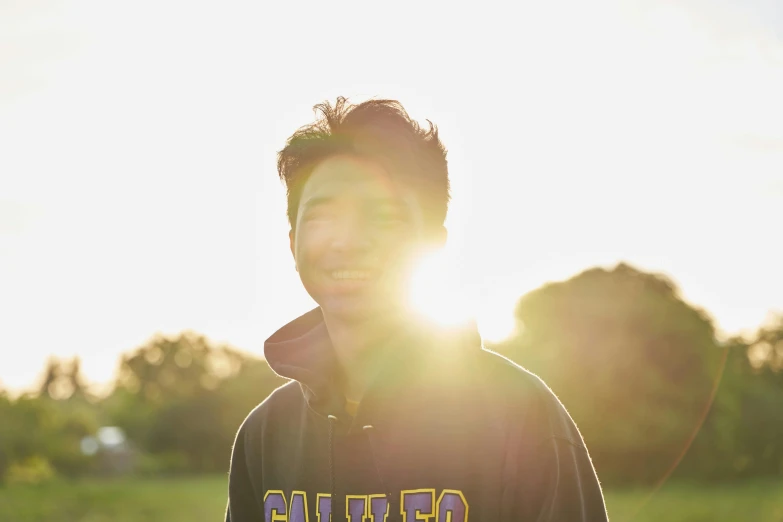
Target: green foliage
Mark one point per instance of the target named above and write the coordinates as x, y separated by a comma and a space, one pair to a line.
181, 400
63, 380
32, 470
633, 363
41, 428
743, 435
167, 369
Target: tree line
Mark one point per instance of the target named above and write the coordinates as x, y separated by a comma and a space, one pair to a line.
652, 386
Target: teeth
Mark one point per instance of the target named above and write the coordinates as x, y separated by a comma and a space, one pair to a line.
352, 275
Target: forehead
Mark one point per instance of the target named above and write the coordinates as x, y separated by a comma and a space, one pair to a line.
344, 177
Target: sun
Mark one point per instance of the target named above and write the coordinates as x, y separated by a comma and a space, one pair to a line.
439, 293
435, 291
495, 318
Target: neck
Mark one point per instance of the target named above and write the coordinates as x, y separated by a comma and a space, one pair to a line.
357, 345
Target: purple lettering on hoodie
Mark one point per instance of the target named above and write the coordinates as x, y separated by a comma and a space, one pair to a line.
379, 508
356, 508
274, 506
452, 507
298, 507
418, 504
324, 507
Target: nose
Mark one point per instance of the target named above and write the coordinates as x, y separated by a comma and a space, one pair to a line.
353, 235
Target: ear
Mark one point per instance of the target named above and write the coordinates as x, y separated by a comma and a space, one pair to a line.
292, 244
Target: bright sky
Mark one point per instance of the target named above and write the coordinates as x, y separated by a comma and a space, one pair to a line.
138, 190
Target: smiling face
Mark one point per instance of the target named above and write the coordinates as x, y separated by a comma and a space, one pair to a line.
357, 231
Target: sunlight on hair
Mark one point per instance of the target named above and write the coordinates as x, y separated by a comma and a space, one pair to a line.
435, 292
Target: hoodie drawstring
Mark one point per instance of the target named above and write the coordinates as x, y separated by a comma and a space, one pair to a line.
369, 430
332, 482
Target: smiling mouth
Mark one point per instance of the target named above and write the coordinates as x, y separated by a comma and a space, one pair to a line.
352, 275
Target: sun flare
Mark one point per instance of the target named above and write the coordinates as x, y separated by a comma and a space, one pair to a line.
439, 294
496, 319
435, 292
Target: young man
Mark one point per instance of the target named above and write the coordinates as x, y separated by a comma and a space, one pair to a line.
387, 418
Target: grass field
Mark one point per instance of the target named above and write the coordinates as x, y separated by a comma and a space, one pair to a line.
202, 499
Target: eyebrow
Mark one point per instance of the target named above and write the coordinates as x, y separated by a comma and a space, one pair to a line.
317, 202
325, 200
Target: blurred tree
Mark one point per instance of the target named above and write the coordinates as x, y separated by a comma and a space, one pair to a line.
51, 374
76, 379
743, 435
761, 437
183, 399
632, 361
766, 351
716, 451
65, 424
201, 428
63, 380
40, 429
5, 439
167, 368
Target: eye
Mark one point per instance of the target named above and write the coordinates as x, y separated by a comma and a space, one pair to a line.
388, 217
319, 214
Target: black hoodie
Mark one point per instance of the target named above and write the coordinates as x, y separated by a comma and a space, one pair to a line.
448, 432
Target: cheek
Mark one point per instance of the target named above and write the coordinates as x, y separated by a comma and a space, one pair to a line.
307, 267
308, 249
400, 254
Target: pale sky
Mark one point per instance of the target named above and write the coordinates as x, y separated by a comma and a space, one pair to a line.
138, 191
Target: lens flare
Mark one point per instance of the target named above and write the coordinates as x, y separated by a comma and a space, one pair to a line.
496, 320
436, 292
439, 293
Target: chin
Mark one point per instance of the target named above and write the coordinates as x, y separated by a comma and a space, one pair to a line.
356, 310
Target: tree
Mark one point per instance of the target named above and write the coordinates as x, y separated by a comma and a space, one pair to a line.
76, 379
760, 445
766, 351
50, 377
63, 380
633, 363
183, 398
167, 368
37, 428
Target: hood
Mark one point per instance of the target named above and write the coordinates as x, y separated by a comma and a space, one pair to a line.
302, 350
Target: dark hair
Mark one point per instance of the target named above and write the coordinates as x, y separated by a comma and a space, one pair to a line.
377, 129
